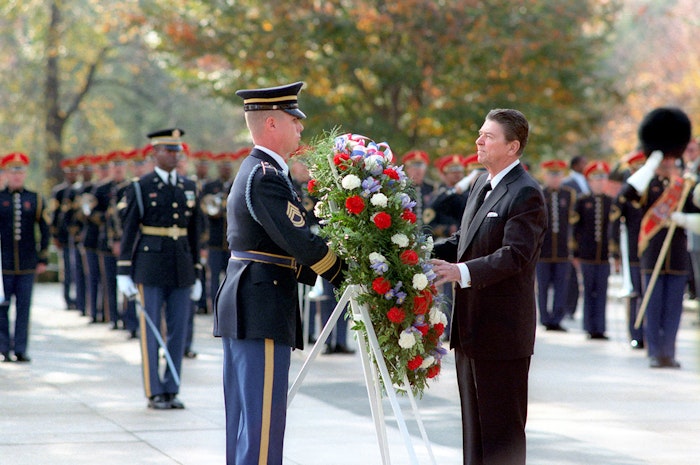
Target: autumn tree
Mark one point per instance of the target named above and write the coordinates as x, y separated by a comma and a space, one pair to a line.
416, 73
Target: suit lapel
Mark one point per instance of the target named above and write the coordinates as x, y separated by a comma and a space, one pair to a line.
477, 217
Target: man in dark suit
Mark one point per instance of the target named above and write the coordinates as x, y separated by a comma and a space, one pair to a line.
492, 258
272, 248
159, 251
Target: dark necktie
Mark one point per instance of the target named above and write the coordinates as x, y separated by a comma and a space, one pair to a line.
173, 179
482, 195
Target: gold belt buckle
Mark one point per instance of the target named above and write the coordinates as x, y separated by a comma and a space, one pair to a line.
174, 232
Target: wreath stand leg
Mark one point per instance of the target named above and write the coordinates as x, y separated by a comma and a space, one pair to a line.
360, 313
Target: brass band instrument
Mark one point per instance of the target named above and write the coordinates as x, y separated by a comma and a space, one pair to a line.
213, 204
627, 291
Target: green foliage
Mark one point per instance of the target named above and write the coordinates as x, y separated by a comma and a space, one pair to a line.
418, 72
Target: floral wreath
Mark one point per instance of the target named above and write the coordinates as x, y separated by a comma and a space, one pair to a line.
365, 204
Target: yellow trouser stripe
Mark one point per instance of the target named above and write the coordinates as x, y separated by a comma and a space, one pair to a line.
267, 400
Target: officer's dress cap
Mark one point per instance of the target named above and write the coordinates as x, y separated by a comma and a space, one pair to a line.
171, 138
15, 160
283, 98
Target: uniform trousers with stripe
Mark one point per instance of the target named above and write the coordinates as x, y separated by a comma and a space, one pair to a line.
256, 373
176, 303
20, 286
595, 296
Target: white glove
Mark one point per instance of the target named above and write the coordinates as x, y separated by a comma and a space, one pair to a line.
696, 196
465, 182
196, 292
689, 221
641, 178
126, 286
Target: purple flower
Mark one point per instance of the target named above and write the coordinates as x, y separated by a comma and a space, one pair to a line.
370, 186
379, 267
406, 202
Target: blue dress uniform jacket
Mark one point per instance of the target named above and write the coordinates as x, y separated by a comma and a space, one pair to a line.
258, 298
591, 229
217, 222
560, 206
161, 246
20, 212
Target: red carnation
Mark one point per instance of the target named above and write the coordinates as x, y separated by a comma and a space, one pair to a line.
382, 220
395, 315
439, 329
339, 160
381, 285
415, 363
409, 257
391, 173
311, 186
421, 302
423, 329
409, 216
355, 204
433, 371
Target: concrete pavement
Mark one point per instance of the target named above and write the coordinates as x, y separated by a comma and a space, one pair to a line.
80, 401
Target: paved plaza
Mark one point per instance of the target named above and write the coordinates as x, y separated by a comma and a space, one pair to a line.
80, 401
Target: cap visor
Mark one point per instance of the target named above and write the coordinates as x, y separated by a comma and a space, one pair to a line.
295, 112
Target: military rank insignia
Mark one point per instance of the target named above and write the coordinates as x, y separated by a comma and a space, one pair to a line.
294, 215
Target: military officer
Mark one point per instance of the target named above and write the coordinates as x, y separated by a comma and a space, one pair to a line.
554, 266
257, 307
77, 229
24, 253
590, 246
159, 251
61, 209
415, 164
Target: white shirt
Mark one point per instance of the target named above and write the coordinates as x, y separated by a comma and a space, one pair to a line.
165, 175
465, 279
280, 161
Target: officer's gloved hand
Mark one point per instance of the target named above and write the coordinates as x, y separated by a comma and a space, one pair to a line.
689, 221
196, 292
465, 182
126, 286
641, 178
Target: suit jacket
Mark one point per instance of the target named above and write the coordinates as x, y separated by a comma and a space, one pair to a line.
495, 318
265, 216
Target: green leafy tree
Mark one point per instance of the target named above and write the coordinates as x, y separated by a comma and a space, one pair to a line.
417, 73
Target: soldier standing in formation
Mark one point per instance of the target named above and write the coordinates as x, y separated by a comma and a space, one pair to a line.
159, 251
591, 223
61, 207
24, 253
554, 268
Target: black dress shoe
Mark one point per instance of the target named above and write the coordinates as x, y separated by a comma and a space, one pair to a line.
637, 344
669, 362
159, 402
175, 402
20, 357
190, 354
6, 357
132, 334
342, 349
655, 362
556, 327
599, 336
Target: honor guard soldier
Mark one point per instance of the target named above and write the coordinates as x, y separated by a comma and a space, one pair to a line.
415, 164
77, 229
24, 253
113, 226
159, 251
449, 202
554, 266
590, 246
272, 249
664, 134
626, 218
61, 209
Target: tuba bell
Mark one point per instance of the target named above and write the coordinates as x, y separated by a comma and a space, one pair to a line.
213, 204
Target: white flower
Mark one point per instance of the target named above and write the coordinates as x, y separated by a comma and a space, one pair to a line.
318, 209
420, 281
434, 316
427, 361
375, 257
429, 243
351, 182
400, 239
407, 339
374, 164
379, 200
